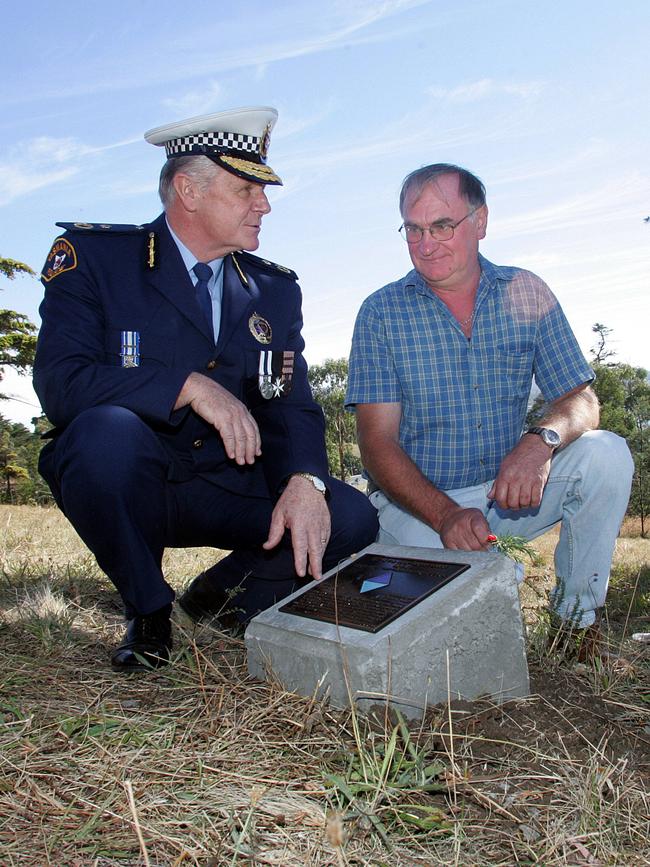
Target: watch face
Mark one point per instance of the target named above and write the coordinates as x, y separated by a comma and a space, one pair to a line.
550, 436
316, 482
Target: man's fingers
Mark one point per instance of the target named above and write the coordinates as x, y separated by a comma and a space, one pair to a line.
466, 530
317, 547
299, 556
242, 436
276, 531
308, 549
253, 442
228, 415
316, 563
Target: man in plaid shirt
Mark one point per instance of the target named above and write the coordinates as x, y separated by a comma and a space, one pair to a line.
441, 369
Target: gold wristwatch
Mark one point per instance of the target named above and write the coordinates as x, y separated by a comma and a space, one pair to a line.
319, 484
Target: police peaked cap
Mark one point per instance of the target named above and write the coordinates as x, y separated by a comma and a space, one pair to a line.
236, 140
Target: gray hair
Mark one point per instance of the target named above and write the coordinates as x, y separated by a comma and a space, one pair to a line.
470, 187
200, 168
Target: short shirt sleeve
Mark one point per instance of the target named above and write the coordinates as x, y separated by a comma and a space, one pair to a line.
372, 376
559, 364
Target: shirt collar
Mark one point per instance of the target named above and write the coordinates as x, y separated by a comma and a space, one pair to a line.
490, 275
190, 260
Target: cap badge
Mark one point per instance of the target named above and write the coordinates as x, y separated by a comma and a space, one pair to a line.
260, 328
265, 141
62, 257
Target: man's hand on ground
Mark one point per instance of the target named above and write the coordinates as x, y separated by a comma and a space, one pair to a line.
221, 409
303, 511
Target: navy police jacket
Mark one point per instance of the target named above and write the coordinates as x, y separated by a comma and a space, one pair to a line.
121, 326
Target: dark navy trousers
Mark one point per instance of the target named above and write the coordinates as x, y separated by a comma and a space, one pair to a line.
108, 472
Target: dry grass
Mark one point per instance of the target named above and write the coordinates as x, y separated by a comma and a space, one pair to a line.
199, 765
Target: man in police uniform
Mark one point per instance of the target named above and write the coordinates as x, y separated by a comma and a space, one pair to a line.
171, 365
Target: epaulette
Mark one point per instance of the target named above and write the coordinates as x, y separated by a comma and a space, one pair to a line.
118, 228
63, 255
266, 265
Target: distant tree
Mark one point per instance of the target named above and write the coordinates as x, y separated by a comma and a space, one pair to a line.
10, 468
19, 453
329, 382
17, 341
601, 352
17, 333
624, 395
10, 267
535, 411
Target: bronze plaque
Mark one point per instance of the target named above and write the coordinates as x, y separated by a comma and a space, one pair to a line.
374, 590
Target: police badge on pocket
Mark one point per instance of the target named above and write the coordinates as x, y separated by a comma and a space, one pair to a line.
275, 374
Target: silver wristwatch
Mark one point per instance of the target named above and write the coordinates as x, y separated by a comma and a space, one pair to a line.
549, 436
319, 484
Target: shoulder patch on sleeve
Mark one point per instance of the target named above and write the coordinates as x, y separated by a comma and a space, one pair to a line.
61, 258
114, 228
266, 265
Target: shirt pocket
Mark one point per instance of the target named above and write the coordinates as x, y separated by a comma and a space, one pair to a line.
514, 368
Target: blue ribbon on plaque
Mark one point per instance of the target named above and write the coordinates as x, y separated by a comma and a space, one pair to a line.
375, 582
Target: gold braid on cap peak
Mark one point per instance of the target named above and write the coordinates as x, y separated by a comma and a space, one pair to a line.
256, 169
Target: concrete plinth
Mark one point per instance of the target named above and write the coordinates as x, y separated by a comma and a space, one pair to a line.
465, 640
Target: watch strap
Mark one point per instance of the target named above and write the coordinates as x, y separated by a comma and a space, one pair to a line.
318, 483
548, 435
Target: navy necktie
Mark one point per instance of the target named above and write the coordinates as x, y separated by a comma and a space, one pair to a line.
204, 274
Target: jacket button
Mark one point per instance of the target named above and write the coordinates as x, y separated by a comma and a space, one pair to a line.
211, 364
197, 444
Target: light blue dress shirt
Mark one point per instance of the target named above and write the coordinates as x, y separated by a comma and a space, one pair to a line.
215, 284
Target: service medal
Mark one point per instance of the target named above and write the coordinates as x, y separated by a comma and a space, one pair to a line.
266, 387
260, 328
130, 348
264, 375
275, 373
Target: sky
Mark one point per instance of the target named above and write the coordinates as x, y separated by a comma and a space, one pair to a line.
548, 103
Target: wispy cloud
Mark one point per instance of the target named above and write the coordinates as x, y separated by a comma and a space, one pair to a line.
582, 156
36, 164
16, 181
486, 88
43, 161
610, 202
292, 124
199, 101
419, 131
342, 24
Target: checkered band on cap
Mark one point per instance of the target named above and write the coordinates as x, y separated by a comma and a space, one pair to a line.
213, 142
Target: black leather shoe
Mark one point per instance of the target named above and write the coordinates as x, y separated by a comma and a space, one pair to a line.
147, 643
203, 601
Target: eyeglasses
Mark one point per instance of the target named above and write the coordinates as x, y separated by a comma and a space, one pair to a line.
441, 231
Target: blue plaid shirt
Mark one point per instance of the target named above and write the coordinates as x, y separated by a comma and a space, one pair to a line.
463, 401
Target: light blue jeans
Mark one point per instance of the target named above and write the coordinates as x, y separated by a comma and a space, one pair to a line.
587, 493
